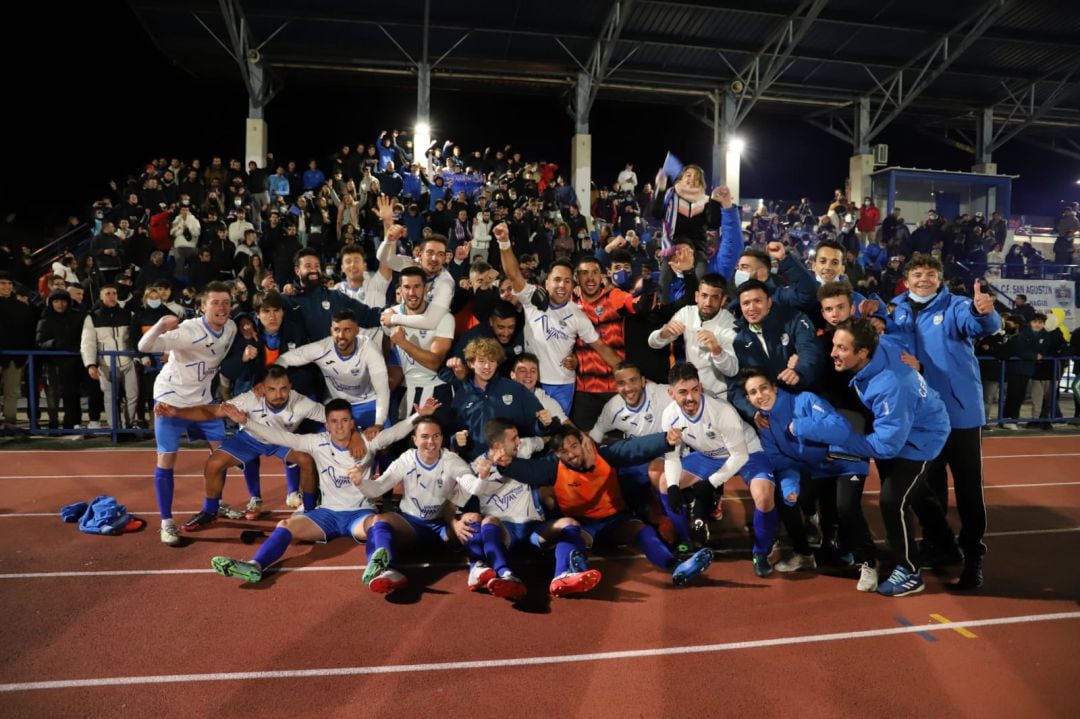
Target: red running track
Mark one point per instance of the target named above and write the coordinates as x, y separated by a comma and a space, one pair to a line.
100, 626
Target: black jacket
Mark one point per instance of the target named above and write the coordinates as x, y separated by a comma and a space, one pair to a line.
19, 321
60, 330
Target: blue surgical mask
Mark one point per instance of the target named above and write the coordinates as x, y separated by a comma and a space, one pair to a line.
916, 298
621, 279
153, 304
741, 276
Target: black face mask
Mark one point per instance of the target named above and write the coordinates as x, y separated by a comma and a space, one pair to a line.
122, 291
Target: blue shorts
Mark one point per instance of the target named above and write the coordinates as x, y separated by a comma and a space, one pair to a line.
561, 393
702, 467
245, 448
596, 528
364, 414
167, 432
634, 475
517, 533
428, 531
335, 523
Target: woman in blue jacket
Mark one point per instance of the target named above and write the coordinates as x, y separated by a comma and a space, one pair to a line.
940, 329
800, 429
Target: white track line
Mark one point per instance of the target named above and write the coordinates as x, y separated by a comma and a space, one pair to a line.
514, 662
421, 565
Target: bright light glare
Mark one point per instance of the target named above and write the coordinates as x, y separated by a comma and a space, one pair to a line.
422, 128
736, 145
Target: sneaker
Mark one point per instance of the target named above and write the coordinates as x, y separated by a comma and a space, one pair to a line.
699, 533
578, 562
1011, 426
388, 581
228, 567
254, 508
762, 568
574, 582
229, 512
479, 576
868, 579
692, 567
377, 564
901, 583
94, 424
506, 587
932, 556
796, 562
294, 500
75, 437
775, 553
971, 577
169, 534
718, 510
199, 522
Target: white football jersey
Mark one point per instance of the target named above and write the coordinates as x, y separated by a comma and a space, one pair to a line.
424, 489
360, 377
503, 497
714, 370
195, 354
416, 374
372, 293
288, 418
551, 335
718, 432
645, 418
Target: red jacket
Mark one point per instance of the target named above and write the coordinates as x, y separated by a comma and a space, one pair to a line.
868, 219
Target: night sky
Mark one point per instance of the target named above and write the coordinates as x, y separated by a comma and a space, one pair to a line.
119, 102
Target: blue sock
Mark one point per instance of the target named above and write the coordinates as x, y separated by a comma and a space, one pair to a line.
655, 549
309, 501
679, 519
163, 486
765, 524
474, 548
380, 536
570, 539
292, 477
251, 477
494, 549
210, 505
273, 548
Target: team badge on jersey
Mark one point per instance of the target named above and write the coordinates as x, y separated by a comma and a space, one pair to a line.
599, 311
326, 304
518, 349
507, 399
784, 339
710, 434
938, 319
648, 418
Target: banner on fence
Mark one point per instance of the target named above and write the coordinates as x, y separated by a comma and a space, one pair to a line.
1045, 295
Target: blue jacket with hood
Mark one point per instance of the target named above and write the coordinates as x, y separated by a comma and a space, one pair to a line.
941, 335
817, 425
910, 420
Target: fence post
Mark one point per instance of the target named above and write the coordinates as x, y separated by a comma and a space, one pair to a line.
114, 414
31, 392
1001, 394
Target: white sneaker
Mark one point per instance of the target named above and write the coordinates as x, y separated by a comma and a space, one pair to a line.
1010, 426
868, 578
479, 576
294, 500
94, 424
795, 563
169, 533
74, 437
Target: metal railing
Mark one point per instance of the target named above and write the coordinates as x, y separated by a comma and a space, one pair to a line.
114, 430
1062, 380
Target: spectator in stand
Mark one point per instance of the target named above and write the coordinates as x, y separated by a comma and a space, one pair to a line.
238, 227
390, 181
627, 180
278, 184
107, 251
185, 230
1019, 352
313, 177
1023, 310
89, 276
108, 327
869, 216
60, 329
1049, 344
20, 320
685, 211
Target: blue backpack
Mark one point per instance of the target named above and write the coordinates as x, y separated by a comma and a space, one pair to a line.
105, 515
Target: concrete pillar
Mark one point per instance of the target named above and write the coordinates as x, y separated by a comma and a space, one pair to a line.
732, 164
860, 168
985, 168
581, 170
256, 143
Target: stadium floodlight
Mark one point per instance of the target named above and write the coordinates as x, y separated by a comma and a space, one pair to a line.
421, 139
736, 145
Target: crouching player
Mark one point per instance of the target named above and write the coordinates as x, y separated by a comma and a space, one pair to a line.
722, 445
278, 405
428, 477
513, 515
587, 489
344, 506
800, 429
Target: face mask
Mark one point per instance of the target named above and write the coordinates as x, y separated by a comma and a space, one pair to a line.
238, 202
153, 304
621, 279
774, 270
741, 276
919, 300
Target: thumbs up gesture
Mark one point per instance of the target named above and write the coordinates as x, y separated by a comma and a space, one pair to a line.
984, 303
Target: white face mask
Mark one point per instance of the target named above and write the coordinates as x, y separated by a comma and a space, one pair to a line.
920, 300
741, 276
